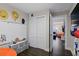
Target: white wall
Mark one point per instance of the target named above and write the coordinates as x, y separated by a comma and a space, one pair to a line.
70, 41
39, 30
13, 30
68, 38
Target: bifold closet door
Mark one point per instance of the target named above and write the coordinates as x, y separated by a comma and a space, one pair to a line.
37, 32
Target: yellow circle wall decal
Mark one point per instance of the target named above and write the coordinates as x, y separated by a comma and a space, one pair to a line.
15, 15
3, 14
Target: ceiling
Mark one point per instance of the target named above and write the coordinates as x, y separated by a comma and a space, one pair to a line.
32, 7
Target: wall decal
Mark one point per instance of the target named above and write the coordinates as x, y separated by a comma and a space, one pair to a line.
23, 21
3, 14
15, 15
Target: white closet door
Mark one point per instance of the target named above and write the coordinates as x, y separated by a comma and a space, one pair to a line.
37, 32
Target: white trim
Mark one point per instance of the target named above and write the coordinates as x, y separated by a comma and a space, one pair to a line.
74, 5
41, 48
46, 50
71, 51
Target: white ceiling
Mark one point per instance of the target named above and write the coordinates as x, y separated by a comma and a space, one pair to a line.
32, 7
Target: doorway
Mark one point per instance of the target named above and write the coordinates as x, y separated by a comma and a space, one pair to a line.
57, 36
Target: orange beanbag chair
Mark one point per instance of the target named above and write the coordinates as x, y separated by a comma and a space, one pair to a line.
76, 34
7, 52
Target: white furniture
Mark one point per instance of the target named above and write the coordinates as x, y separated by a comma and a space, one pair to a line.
5, 44
20, 46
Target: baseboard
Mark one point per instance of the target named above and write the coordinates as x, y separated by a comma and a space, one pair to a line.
46, 50
71, 51
41, 48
